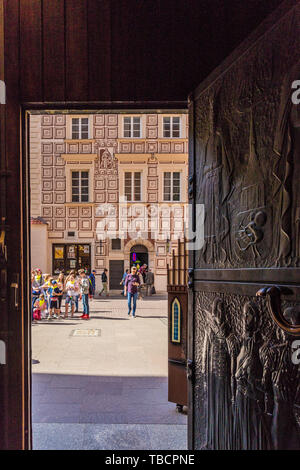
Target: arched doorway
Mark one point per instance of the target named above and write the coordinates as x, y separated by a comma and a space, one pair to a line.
139, 255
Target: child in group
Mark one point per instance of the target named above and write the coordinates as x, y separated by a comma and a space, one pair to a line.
39, 308
54, 293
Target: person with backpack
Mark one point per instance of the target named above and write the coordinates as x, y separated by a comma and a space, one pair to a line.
84, 291
92, 281
149, 282
104, 280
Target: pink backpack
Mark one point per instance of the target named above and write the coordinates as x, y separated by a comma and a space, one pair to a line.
36, 314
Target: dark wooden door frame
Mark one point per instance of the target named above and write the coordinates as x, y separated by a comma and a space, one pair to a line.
25, 294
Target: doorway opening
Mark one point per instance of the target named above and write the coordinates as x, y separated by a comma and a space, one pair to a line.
104, 372
139, 256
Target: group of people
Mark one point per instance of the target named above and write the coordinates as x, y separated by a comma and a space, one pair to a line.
48, 291
47, 294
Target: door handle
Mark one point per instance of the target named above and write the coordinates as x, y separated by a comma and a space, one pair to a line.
287, 320
15, 286
190, 369
3, 284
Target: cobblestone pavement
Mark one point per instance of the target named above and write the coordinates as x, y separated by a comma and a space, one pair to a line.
107, 390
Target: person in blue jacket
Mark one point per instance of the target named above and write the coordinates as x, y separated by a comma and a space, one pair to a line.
92, 281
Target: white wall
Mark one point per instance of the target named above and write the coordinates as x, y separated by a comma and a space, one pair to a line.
39, 247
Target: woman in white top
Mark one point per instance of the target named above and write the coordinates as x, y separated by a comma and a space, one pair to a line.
72, 289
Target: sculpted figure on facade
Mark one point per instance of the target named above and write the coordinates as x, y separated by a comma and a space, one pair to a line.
216, 188
218, 371
250, 431
285, 384
286, 171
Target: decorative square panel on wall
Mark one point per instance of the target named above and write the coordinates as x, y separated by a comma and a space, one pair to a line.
60, 185
85, 211
60, 212
177, 224
112, 197
177, 147
47, 185
59, 148
178, 211
47, 132
47, 160
152, 119
47, 198
111, 119
161, 263
161, 250
59, 172
59, 224
112, 184
100, 262
85, 224
99, 119
111, 132
73, 148
152, 183
47, 172
73, 224
60, 198
100, 197
59, 161
99, 132
152, 196
100, 183
73, 212
165, 211
165, 223
59, 132
152, 147
164, 147
47, 211
125, 147
152, 170
85, 148
60, 120
47, 120
47, 148
151, 132
138, 147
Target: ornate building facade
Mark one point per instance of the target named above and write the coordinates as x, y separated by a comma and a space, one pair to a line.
108, 190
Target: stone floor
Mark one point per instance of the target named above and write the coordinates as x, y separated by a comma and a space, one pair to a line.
107, 391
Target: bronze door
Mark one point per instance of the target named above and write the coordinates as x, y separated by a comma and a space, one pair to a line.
244, 299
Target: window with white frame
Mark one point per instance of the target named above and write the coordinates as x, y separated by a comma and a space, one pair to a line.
132, 126
80, 186
80, 128
171, 126
133, 185
172, 186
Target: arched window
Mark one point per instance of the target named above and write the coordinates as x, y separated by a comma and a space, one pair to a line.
176, 320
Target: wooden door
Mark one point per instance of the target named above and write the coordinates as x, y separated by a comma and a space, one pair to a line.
245, 282
116, 271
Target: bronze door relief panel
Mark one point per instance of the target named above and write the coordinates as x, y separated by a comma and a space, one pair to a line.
245, 281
